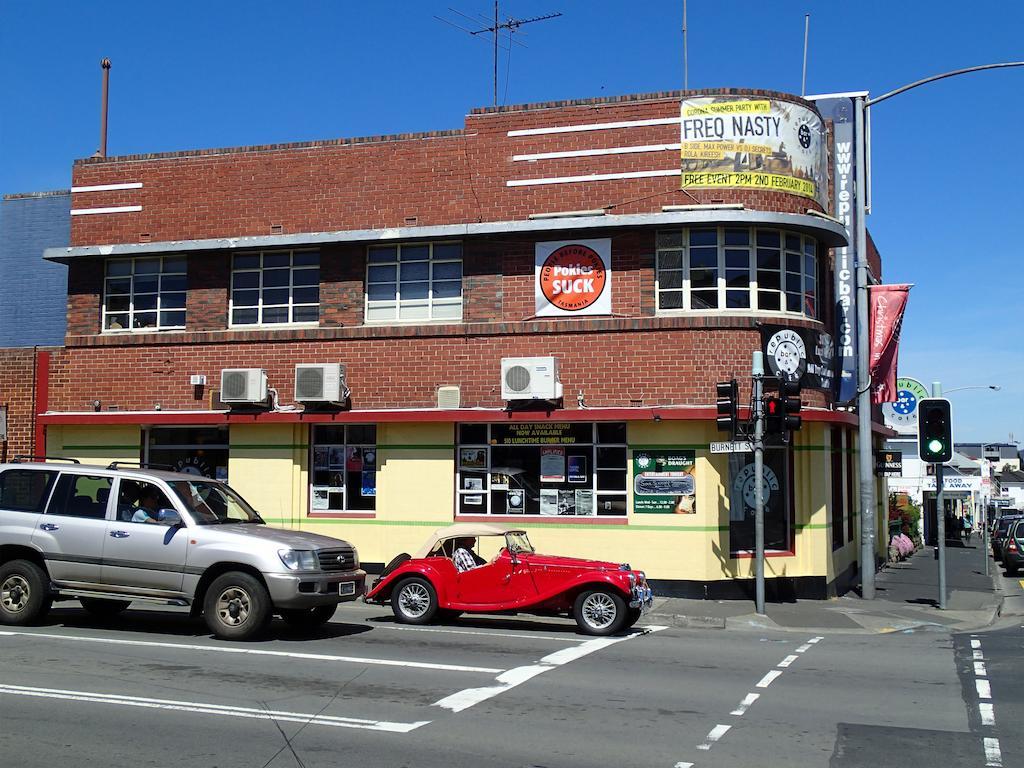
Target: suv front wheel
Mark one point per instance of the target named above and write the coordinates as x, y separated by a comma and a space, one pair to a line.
24, 596
236, 606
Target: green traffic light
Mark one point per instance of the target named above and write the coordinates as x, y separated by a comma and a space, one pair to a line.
935, 446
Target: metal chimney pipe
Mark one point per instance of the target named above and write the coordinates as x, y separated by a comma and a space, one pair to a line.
103, 107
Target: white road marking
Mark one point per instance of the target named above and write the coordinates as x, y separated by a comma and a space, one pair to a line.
788, 660
483, 634
714, 735
993, 756
975, 643
988, 715
814, 640
769, 678
259, 652
211, 709
979, 655
683, 765
984, 689
509, 679
979, 669
804, 648
749, 699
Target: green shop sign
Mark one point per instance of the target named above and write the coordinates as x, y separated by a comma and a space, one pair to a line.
664, 483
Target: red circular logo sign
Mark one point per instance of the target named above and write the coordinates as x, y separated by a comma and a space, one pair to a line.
573, 277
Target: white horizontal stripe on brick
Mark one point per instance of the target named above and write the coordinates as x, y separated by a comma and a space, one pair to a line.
108, 187
592, 177
596, 152
115, 209
595, 126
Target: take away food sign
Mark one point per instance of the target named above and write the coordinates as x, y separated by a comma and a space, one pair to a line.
573, 277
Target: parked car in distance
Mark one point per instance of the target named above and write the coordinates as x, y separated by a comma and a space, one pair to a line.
603, 597
1013, 547
1000, 532
110, 536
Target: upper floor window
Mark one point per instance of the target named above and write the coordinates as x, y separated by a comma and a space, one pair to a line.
145, 294
275, 287
737, 268
414, 282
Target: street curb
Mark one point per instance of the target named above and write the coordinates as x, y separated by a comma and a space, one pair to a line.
689, 622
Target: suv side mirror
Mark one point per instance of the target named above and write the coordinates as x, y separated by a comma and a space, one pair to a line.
169, 517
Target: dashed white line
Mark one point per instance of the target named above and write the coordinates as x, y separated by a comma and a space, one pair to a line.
256, 652
509, 679
788, 660
769, 678
683, 765
210, 709
714, 735
744, 705
814, 640
993, 755
988, 715
482, 634
984, 689
979, 669
975, 643
804, 648
978, 655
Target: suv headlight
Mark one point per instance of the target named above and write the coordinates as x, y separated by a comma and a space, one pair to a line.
298, 559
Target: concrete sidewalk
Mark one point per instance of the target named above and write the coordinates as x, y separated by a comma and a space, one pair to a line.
906, 598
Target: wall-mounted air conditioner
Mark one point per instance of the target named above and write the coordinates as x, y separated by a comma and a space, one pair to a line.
530, 378
321, 383
243, 385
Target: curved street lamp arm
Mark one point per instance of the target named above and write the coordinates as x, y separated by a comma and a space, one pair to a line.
890, 94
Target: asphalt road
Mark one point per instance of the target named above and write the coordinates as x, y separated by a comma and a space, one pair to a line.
153, 689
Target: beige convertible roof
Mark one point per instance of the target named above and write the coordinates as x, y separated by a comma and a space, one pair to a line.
463, 529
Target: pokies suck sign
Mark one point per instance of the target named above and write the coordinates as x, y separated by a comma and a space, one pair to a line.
573, 278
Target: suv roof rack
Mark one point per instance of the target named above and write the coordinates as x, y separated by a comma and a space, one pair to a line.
140, 465
20, 459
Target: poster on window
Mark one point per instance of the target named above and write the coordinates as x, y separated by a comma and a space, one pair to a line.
369, 484
321, 499
753, 143
573, 278
549, 501
552, 465
473, 458
321, 457
664, 482
585, 502
515, 502
577, 469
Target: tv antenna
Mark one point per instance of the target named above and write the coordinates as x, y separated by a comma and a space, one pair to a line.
495, 29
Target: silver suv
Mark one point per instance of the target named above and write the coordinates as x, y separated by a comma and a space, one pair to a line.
110, 536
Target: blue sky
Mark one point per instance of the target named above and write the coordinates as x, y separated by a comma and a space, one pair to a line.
947, 167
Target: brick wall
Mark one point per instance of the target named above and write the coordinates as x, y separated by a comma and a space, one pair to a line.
16, 377
616, 362
376, 182
32, 291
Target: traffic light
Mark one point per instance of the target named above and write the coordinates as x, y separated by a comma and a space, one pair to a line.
727, 396
789, 392
934, 430
782, 413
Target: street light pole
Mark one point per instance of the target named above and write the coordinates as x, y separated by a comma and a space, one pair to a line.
863, 375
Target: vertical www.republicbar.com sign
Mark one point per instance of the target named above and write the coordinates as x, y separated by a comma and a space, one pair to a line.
840, 110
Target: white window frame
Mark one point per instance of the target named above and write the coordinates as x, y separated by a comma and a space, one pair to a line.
132, 312
398, 302
752, 287
260, 306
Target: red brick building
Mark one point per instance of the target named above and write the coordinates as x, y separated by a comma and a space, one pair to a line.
418, 261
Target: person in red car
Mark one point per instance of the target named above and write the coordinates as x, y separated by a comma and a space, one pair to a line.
464, 557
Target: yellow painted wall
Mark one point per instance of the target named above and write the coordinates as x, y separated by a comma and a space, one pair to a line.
267, 465
95, 444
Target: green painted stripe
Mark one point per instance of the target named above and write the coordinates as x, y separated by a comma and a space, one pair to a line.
813, 526
811, 448
135, 448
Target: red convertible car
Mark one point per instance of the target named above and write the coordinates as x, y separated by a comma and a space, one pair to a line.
602, 597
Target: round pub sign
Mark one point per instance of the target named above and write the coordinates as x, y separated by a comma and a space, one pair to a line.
902, 414
573, 278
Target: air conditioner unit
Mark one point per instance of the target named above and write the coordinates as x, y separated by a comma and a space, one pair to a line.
243, 385
530, 378
321, 383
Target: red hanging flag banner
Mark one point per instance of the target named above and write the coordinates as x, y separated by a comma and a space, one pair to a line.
887, 304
